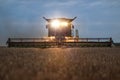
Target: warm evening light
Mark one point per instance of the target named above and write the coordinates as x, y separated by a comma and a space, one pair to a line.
57, 24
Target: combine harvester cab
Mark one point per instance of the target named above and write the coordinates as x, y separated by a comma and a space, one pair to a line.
59, 35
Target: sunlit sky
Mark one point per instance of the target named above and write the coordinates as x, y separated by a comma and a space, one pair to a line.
95, 18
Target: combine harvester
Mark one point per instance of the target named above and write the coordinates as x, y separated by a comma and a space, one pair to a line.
60, 34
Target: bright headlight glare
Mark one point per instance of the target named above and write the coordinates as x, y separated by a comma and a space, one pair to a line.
64, 23
57, 24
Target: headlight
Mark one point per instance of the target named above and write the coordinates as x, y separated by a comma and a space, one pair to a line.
57, 24
64, 24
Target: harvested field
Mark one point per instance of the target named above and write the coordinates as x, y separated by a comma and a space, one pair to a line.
60, 64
